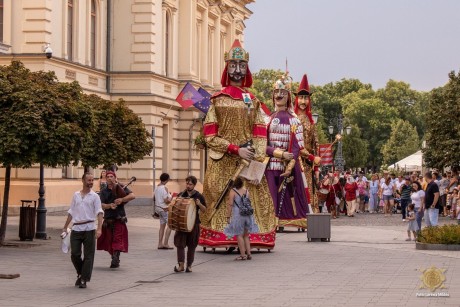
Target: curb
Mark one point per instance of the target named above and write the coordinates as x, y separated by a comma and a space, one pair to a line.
444, 247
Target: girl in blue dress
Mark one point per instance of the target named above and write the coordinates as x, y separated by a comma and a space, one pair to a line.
239, 225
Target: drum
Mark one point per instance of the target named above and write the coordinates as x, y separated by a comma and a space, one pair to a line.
322, 194
182, 214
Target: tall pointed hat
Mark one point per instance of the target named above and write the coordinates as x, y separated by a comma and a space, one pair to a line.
304, 90
304, 87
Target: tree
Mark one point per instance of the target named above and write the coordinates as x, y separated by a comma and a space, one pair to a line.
403, 141
406, 101
55, 124
355, 149
443, 133
39, 123
373, 117
118, 136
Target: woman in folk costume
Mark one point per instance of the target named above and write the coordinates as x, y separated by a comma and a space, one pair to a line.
235, 130
284, 175
310, 163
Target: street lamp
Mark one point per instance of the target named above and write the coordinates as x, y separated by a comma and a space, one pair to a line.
348, 130
315, 117
339, 161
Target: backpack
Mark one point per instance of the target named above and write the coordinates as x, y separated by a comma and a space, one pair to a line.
245, 205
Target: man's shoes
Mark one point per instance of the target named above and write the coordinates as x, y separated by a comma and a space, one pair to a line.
78, 282
82, 284
179, 267
115, 260
114, 265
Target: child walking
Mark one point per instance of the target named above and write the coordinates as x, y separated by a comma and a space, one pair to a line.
239, 225
413, 226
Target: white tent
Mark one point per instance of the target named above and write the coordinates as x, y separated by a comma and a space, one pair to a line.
410, 163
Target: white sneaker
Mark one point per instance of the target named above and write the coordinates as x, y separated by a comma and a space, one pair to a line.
404, 220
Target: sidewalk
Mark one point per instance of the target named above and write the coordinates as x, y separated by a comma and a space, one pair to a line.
361, 266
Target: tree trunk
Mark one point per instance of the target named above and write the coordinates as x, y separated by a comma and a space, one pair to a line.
6, 195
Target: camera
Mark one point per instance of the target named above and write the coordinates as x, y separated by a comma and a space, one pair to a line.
48, 51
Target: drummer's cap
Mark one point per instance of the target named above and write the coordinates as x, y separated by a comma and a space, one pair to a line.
111, 173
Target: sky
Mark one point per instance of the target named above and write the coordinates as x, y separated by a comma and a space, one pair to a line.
415, 41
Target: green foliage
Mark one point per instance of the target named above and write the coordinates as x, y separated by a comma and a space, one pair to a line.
373, 118
446, 234
403, 141
117, 137
442, 117
39, 118
355, 149
406, 101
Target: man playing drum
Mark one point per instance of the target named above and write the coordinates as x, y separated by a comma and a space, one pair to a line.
184, 239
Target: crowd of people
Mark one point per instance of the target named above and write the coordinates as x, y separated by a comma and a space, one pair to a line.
414, 196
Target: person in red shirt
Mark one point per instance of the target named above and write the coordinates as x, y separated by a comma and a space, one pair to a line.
350, 195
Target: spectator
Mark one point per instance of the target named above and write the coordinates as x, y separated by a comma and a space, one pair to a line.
404, 192
431, 200
363, 193
162, 199
102, 180
442, 185
387, 190
373, 194
418, 199
399, 182
454, 199
422, 181
350, 195
413, 226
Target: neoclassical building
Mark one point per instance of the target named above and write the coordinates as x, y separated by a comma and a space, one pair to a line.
142, 51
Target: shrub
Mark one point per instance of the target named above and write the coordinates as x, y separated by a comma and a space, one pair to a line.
446, 234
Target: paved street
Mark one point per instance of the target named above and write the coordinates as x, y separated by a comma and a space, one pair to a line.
367, 263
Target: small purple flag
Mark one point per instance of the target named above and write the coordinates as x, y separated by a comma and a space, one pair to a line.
188, 96
204, 104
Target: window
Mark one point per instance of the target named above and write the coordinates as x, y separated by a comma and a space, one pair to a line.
1, 21
93, 34
167, 38
69, 29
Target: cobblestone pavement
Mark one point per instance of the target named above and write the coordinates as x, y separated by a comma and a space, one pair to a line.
367, 263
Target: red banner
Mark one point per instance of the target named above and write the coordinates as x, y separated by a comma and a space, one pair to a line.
325, 152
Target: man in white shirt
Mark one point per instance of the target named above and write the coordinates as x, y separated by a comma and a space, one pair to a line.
161, 201
84, 210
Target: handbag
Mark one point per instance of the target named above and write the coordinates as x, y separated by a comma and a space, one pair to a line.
65, 244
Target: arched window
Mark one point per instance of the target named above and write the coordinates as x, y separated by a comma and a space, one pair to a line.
93, 34
167, 40
69, 30
1, 21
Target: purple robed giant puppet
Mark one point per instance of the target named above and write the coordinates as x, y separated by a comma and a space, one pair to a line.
285, 142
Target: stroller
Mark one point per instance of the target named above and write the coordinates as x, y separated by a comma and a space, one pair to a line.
397, 207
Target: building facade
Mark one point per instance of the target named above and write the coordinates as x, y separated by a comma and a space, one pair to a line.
142, 51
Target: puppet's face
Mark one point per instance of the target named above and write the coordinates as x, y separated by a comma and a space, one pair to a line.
237, 70
303, 101
281, 97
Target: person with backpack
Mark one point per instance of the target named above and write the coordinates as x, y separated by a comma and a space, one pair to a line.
240, 219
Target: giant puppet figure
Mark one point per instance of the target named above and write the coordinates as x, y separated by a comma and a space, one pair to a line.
284, 174
235, 132
309, 163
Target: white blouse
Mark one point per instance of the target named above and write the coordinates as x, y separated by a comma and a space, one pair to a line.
417, 198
